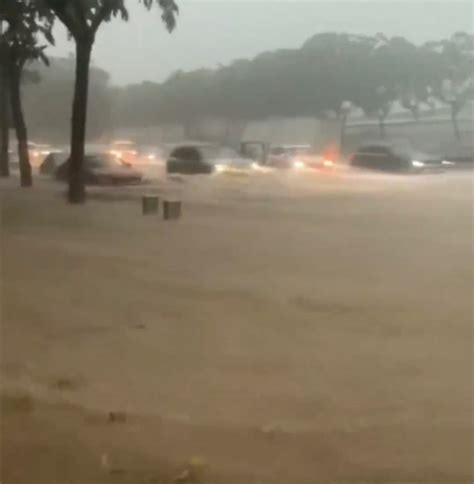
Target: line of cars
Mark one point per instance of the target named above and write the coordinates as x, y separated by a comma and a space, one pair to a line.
207, 158
392, 157
119, 162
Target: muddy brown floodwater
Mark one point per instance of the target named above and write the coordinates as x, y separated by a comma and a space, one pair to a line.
288, 329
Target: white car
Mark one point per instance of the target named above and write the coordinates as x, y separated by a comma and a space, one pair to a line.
296, 157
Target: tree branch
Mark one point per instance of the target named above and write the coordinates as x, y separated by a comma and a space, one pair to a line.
101, 15
65, 18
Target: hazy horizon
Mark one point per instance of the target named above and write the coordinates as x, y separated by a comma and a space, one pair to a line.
210, 33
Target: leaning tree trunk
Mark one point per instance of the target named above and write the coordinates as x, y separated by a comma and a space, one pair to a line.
4, 125
77, 192
26, 179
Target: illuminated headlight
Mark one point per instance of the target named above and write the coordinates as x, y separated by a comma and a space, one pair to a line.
298, 165
447, 163
255, 166
151, 157
220, 168
417, 164
328, 163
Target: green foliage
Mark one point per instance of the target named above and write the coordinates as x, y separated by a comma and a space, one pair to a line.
317, 80
329, 71
456, 85
82, 18
27, 31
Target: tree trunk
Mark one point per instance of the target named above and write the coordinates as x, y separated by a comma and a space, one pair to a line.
228, 132
415, 111
382, 127
77, 192
4, 125
189, 130
454, 119
343, 135
26, 179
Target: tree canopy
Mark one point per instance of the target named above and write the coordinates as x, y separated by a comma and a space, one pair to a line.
329, 75
330, 69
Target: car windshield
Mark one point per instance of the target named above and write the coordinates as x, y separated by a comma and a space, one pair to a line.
123, 145
291, 150
104, 160
299, 150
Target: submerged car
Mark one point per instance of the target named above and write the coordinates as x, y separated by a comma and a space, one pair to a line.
151, 155
103, 169
297, 157
38, 152
203, 158
124, 150
396, 159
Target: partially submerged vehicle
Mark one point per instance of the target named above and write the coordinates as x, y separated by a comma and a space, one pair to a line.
286, 156
205, 158
103, 169
395, 158
38, 152
125, 150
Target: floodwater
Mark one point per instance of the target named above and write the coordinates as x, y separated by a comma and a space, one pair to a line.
289, 328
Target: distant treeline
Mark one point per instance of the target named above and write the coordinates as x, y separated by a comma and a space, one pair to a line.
48, 97
330, 75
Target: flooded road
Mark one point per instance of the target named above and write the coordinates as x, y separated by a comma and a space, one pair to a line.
287, 329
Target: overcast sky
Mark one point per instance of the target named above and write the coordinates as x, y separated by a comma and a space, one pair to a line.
216, 32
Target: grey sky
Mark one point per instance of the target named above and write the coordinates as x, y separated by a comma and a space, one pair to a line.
213, 32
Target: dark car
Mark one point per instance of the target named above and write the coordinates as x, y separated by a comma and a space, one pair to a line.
192, 159
103, 169
395, 159
202, 158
